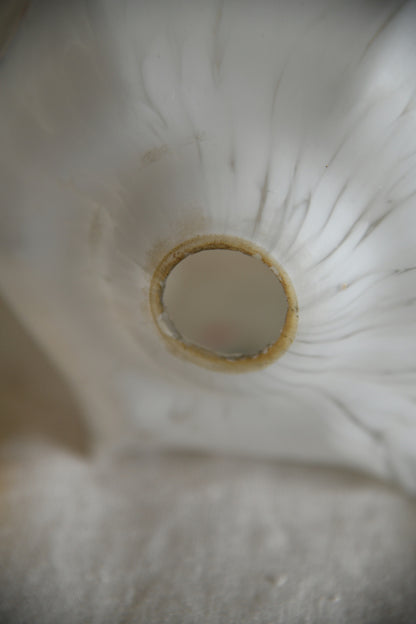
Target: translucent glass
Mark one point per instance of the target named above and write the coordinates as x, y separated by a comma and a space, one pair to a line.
129, 127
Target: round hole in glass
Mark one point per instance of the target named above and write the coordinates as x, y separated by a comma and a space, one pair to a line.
223, 302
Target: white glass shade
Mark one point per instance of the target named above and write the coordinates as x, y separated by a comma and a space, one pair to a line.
129, 127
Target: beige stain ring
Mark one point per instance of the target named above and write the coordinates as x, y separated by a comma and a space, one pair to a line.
204, 357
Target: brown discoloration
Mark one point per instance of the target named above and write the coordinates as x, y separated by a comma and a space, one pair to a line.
158, 250
204, 357
194, 222
95, 229
154, 155
11, 15
180, 417
231, 163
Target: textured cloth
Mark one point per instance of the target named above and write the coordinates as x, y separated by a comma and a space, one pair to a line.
187, 540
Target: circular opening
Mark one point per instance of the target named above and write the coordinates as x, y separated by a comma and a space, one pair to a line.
223, 303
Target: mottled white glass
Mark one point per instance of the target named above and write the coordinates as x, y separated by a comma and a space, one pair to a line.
129, 127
